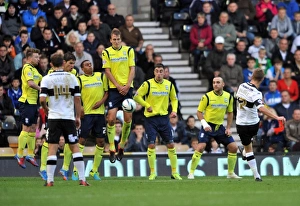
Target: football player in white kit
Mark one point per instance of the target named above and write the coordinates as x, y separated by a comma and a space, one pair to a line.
249, 102
63, 93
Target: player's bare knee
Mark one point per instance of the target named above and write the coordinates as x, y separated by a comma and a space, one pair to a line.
232, 147
81, 141
170, 145
201, 147
151, 146
100, 142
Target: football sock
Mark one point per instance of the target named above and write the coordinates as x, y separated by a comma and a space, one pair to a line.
22, 140
231, 158
67, 157
252, 164
30, 143
173, 159
111, 132
51, 165
79, 164
195, 161
125, 133
81, 148
151, 160
44, 154
97, 158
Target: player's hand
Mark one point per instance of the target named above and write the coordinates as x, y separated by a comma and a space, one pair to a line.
207, 129
281, 119
173, 114
77, 123
228, 132
97, 105
124, 90
149, 109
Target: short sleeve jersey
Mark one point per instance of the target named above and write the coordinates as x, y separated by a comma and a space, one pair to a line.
29, 95
158, 95
214, 106
119, 61
61, 88
249, 100
93, 89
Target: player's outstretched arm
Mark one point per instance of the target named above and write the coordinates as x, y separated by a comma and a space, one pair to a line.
267, 112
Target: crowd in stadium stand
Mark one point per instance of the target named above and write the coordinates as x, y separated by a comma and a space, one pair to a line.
228, 39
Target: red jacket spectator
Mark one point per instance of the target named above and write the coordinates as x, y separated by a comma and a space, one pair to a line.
199, 33
261, 8
292, 88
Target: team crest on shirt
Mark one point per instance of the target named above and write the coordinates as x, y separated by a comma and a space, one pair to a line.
124, 53
103, 62
29, 74
167, 87
98, 78
225, 100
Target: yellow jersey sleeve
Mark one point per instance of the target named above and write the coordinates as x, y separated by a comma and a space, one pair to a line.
105, 59
203, 104
173, 98
230, 106
131, 61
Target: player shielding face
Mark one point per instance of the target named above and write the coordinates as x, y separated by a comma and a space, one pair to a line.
63, 94
157, 93
211, 112
119, 65
28, 107
249, 102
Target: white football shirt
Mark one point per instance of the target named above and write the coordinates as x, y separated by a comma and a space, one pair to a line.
61, 88
249, 100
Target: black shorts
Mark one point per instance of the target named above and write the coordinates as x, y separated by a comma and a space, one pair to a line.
94, 123
115, 99
247, 132
158, 125
218, 133
29, 113
65, 127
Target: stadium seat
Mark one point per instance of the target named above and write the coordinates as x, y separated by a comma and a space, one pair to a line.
169, 7
89, 150
177, 21
161, 148
6, 151
181, 147
13, 142
7, 125
184, 38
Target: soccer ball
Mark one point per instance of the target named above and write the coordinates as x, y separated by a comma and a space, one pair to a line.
128, 105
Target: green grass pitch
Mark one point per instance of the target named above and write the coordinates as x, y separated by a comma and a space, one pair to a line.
113, 191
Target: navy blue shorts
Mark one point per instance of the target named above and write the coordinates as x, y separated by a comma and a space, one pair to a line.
94, 124
217, 133
29, 113
158, 125
115, 99
65, 127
